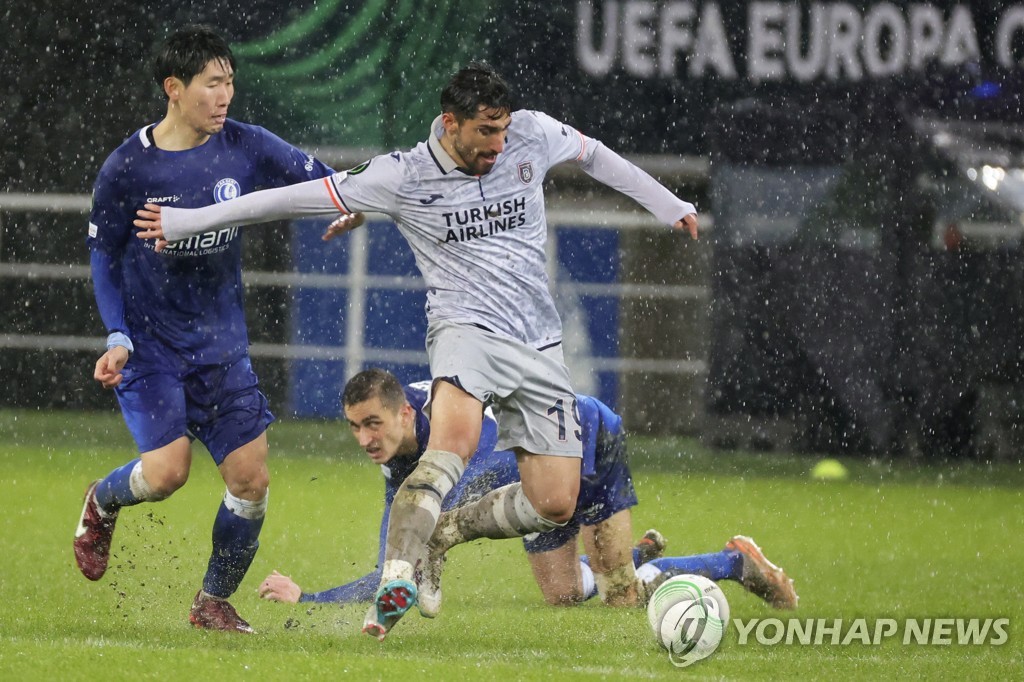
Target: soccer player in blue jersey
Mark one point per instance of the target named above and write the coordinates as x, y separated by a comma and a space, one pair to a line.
469, 200
388, 422
177, 347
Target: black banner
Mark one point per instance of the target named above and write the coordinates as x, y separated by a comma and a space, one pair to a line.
648, 76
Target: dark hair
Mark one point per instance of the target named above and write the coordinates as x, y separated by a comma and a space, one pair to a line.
473, 86
186, 53
374, 382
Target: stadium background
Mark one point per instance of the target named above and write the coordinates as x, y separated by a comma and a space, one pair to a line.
725, 338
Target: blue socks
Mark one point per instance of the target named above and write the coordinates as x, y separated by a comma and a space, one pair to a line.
115, 490
236, 532
724, 565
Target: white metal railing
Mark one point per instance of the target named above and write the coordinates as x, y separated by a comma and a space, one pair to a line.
357, 282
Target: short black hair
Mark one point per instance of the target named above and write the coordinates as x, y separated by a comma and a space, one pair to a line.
187, 52
473, 86
374, 382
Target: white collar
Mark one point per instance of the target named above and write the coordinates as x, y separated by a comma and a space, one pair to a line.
443, 159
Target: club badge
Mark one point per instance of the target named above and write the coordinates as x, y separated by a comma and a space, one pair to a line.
526, 172
226, 190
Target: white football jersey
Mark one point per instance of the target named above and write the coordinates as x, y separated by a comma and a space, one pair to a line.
478, 240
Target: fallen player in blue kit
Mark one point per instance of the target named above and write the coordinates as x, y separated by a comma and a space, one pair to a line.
388, 422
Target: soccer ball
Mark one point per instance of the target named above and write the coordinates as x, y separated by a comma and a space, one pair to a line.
688, 615
681, 587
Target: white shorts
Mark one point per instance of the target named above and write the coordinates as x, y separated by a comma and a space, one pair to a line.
529, 390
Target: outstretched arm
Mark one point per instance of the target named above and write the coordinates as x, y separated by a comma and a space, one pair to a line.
277, 587
610, 169
150, 220
359, 590
302, 200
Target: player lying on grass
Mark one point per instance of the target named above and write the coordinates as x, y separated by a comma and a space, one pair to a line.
388, 423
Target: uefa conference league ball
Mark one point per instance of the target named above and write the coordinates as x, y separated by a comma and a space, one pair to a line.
688, 615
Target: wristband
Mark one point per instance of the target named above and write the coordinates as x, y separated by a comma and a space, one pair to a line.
119, 339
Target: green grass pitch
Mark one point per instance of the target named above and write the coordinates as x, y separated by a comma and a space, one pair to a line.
897, 540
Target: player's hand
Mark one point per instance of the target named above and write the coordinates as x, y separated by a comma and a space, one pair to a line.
150, 226
277, 587
688, 223
109, 366
345, 223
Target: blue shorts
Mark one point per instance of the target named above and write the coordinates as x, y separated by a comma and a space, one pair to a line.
221, 405
602, 495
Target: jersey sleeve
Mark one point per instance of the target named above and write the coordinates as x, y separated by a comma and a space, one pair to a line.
283, 164
612, 170
359, 590
110, 219
302, 200
562, 141
565, 143
372, 186
108, 234
106, 284
374, 190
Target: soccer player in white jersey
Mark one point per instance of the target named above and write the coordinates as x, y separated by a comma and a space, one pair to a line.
470, 202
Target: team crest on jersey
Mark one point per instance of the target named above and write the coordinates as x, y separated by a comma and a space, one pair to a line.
526, 172
226, 190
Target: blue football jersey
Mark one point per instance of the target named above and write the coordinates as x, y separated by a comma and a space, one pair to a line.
606, 484
188, 297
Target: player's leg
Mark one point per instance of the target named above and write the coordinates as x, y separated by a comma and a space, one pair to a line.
537, 417
609, 547
239, 520
153, 407
543, 500
551, 484
741, 560
559, 574
507, 512
455, 423
485, 472
533, 406
231, 420
724, 565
